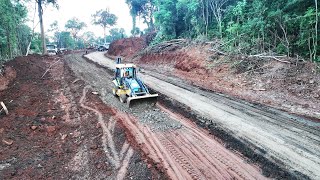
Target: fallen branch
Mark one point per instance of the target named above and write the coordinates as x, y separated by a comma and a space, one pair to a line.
272, 57
4, 108
259, 89
166, 46
49, 68
217, 51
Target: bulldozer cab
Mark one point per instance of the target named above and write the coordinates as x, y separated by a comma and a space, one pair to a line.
128, 72
124, 71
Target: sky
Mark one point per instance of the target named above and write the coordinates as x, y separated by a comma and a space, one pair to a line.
83, 10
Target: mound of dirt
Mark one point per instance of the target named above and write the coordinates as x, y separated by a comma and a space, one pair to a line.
8, 75
127, 47
293, 87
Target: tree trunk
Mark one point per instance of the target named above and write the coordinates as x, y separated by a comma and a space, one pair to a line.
220, 25
43, 40
315, 46
133, 25
151, 21
207, 18
8, 43
104, 34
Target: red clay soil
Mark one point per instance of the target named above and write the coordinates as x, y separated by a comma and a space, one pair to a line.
8, 75
189, 153
293, 87
48, 134
126, 47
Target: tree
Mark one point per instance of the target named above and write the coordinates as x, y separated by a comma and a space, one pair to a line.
65, 39
315, 45
166, 19
89, 38
218, 8
75, 26
13, 31
40, 13
115, 34
144, 9
54, 26
105, 19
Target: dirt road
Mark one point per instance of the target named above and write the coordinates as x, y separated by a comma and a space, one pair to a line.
286, 140
174, 143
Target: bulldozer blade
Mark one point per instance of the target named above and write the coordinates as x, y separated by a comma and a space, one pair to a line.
149, 100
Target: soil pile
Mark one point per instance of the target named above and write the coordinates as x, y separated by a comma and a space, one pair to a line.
127, 47
6, 77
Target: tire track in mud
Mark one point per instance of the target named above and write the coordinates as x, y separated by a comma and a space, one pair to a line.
119, 160
180, 158
186, 154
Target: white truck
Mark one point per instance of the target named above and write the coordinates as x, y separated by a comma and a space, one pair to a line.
52, 49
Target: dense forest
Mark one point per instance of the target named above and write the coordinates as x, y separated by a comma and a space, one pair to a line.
237, 26
240, 26
14, 34
17, 38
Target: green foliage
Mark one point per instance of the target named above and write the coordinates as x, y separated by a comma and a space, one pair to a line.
64, 40
104, 18
144, 9
115, 34
166, 19
13, 32
75, 25
246, 27
36, 44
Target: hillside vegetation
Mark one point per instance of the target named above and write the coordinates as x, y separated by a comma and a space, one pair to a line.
265, 27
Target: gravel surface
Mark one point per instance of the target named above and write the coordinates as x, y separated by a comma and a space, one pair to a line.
100, 80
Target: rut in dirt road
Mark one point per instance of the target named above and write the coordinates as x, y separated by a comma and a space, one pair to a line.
119, 160
183, 150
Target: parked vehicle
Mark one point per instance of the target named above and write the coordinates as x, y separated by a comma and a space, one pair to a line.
52, 49
102, 48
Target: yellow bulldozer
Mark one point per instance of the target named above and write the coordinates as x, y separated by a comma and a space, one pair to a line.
128, 87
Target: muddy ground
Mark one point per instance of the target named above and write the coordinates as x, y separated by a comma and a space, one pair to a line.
58, 129
64, 123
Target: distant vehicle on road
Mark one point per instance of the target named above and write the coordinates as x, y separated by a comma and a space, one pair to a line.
106, 45
102, 48
52, 49
63, 50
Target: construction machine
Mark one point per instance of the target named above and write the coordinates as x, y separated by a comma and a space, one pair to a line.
128, 87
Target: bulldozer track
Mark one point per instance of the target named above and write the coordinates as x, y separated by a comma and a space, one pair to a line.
188, 154
180, 158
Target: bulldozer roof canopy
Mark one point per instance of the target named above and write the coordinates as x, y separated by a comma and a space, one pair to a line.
120, 66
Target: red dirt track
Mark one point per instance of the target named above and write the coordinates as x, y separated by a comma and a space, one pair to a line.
189, 152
